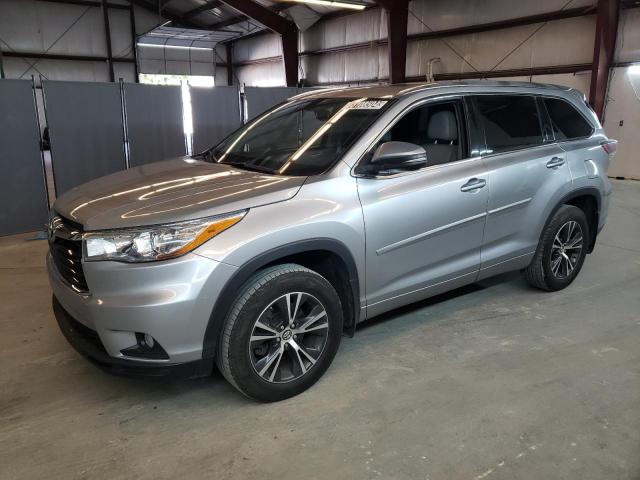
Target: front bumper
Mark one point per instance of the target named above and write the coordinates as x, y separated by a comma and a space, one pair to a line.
87, 342
171, 300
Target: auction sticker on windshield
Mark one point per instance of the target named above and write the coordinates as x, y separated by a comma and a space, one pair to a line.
370, 105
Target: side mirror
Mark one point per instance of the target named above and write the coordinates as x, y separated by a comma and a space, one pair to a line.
399, 156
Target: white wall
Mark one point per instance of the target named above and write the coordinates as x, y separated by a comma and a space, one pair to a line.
623, 98
624, 107
33, 26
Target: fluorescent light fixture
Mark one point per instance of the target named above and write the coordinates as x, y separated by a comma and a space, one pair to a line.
634, 69
172, 46
331, 3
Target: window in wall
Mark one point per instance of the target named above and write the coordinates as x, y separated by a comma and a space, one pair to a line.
191, 80
566, 121
510, 121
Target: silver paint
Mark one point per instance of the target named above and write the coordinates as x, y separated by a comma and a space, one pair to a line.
411, 235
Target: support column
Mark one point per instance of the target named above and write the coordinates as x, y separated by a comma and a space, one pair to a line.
229, 64
134, 41
290, 57
397, 15
107, 32
603, 52
287, 29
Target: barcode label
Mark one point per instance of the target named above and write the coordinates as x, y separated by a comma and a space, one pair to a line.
370, 105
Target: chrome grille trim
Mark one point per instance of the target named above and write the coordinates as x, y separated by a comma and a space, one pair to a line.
65, 247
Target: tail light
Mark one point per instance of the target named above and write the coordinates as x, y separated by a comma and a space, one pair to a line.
610, 146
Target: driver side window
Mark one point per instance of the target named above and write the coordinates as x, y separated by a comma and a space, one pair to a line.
438, 127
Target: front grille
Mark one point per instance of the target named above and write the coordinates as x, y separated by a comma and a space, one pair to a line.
65, 245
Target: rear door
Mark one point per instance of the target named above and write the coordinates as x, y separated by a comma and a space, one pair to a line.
527, 172
424, 228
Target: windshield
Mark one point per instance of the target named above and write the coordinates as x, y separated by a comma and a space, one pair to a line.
299, 137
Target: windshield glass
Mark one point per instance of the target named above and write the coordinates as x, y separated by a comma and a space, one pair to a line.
300, 137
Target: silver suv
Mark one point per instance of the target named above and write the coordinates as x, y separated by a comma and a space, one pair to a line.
329, 209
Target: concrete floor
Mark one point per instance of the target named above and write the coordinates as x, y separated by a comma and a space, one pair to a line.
492, 382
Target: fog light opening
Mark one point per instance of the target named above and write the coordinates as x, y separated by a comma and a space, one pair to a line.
148, 340
146, 347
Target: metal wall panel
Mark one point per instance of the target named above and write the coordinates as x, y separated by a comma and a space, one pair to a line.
154, 123
628, 42
428, 15
41, 27
215, 113
260, 99
22, 187
85, 127
179, 61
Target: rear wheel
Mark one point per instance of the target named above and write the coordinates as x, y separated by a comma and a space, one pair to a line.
561, 251
281, 334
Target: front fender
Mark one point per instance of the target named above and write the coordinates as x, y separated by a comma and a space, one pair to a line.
326, 215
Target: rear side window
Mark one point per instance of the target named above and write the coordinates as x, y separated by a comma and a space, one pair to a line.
510, 121
566, 121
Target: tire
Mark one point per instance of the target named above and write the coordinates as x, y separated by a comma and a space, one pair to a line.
294, 357
550, 270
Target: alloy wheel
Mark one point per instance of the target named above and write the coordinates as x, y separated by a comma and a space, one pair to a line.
288, 337
566, 249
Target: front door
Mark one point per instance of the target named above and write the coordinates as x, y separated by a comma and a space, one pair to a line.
424, 228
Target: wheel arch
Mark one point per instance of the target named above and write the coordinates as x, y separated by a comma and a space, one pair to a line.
318, 254
588, 199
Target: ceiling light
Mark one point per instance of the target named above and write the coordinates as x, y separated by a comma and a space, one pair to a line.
331, 3
173, 46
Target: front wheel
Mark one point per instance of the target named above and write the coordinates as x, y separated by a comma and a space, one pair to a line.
561, 252
282, 333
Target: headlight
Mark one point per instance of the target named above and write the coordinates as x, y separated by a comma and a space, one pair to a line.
157, 242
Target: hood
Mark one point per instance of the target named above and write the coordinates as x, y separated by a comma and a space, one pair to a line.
171, 191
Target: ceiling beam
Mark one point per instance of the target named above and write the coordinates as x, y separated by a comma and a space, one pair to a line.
55, 56
205, 7
175, 19
263, 15
278, 7
88, 3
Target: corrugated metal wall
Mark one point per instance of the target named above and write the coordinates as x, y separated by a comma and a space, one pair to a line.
182, 61
513, 48
64, 29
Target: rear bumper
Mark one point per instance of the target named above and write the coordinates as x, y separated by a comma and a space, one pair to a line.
87, 342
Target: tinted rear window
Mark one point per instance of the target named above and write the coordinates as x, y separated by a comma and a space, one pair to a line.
566, 121
510, 121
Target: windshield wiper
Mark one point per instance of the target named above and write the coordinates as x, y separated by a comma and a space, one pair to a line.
251, 167
207, 156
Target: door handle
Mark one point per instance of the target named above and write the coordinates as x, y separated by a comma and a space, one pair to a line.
555, 162
473, 184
